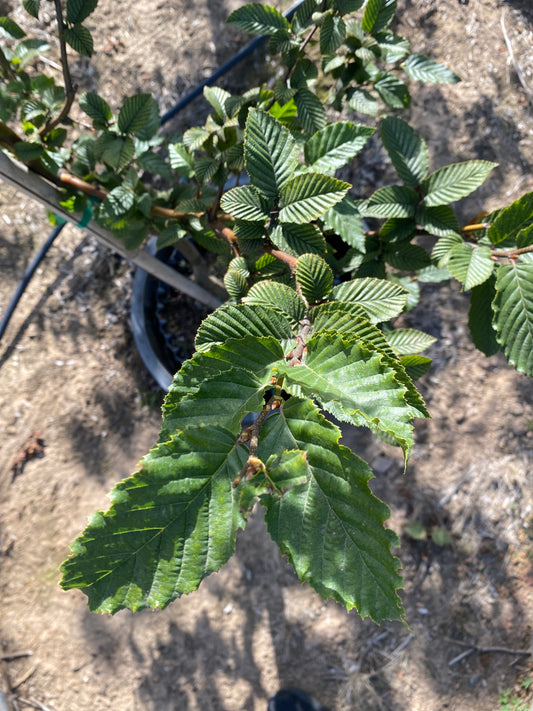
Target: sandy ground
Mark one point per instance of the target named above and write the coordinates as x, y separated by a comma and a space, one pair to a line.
69, 369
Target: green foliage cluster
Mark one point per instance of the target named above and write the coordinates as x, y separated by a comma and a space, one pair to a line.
307, 331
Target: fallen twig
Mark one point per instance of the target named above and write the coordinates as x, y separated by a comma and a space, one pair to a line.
484, 650
516, 66
14, 655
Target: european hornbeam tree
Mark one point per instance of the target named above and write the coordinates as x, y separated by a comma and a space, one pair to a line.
307, 331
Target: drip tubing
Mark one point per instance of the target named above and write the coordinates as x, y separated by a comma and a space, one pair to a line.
30, 271
179, 106
224, 69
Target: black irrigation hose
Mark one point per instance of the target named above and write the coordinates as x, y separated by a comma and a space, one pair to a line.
30, 271
179, 106
224, 69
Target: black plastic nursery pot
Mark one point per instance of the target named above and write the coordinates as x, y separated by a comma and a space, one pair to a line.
164, 321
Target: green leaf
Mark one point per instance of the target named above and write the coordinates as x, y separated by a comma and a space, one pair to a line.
513, 314
247, 361
443, 249
80, 39
347, 6
392, 47
332, 33
298, 239
153, 163
118, 202
181, 160
334, 146
439, 220
398, 229
270, 153
441, 537
390, 201
171, 524
411, 286
378, 15
236, 284
311, 111
280, 296
351, 319
406, 257
10, 28
455, 181
415, 365
96, 108
238, 321
308, 196
32, 7
287, 469
470, 266
135, 113
314, 277
408, 341
114, 151
205, 168
382, 300
79, 10
512, 221
364, 102
421, 68
407, 151
27, 152
393, 92
480, 317
258, 19
340, 546
170, 235
245, 203
344, 219
217, 97
195, 137
356, 383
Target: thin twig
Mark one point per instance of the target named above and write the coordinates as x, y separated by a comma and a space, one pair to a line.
511, 253
14, 655
15, 685
70, 89
287, 259
473, 228
101, 193
34, 704
484, 650
295, 356
516, 66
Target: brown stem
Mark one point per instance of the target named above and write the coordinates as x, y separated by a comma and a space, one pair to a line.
101, 194
287, 259
70, 89
295, 357
290, 71
254, 465
511, 253
226, 233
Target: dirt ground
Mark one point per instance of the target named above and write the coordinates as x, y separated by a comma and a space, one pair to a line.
69, 369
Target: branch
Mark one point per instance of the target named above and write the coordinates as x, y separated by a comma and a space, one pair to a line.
253, 464
102, 193
287, 259
296, 355
70, 89
517, 67
471, 648
511, 253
